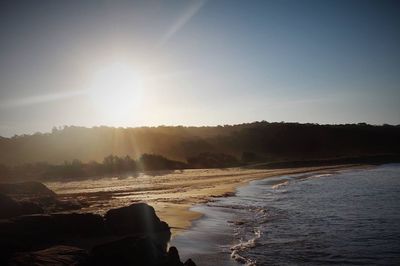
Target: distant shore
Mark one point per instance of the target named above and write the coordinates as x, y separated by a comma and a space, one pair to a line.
172, 194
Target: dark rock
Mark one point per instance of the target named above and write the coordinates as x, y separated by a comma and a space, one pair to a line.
27, 227
11, 208
26, 189
57, 255
27, 232
8, 207
128, 251
55, 225
189, 262
27, 207
173, 258
146, 243
34, 197
79, 224
138, 218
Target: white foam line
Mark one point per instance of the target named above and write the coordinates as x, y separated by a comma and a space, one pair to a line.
243, 246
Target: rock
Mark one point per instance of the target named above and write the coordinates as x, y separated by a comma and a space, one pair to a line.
27, 232
128, 251
138, 218
173, 254
27, 207
11, 208
28, 226
26, 190
8, 207
55, 225
79, 224
145, 238
57, 255
34, 197
173, 258
189, 262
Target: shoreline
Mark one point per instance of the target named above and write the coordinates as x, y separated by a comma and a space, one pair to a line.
256, 221
172, 194
181, 216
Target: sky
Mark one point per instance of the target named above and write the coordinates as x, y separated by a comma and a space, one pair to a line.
149, 63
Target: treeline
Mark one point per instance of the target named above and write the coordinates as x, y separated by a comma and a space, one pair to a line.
126, 166
111, 165
251, 142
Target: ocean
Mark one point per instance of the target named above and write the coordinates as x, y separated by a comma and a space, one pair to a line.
349, 217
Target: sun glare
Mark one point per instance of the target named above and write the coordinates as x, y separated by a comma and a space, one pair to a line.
114, 90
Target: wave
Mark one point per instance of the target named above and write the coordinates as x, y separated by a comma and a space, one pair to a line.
319, 175
285, 183
242, 246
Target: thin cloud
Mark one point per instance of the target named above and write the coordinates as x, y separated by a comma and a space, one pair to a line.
38, 99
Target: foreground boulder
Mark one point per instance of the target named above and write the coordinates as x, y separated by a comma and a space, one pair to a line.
128, 251
135, 251
131, 235
11, 208
57, 255
79, 224
141, 251
25, 233
189, 262
55, 226
134, 219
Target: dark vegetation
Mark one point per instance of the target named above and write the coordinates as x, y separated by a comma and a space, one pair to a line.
85, 152
111, 165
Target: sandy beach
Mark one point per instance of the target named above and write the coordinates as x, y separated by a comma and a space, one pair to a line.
171, 193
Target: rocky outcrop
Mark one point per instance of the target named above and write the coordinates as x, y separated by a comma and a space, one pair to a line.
11, 208
128, 251
189, 262
133, 219
79, 224
55, 226
31, 198
26, 190
135, 251
138, 237
57, 255
31, 232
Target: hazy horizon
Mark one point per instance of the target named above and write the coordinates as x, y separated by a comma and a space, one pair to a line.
187, 126
197, 63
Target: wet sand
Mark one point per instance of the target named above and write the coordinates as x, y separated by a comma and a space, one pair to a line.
171, 193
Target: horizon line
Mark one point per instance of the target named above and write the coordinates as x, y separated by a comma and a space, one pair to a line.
60, 128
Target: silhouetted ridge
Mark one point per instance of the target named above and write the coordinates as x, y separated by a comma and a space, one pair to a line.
78, 151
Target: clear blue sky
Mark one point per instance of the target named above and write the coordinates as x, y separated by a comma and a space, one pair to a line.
197, 63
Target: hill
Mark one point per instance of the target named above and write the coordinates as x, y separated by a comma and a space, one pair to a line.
257, 141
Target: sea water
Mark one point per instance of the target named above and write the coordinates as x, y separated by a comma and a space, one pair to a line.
350, 217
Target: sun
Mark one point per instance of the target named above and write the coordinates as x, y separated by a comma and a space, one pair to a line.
115, 90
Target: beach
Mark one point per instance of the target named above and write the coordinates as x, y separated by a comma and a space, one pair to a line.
171, 193
345, 217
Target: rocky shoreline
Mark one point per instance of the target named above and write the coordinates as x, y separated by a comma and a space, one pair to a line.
131, 235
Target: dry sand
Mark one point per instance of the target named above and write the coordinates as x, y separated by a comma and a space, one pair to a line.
171, 193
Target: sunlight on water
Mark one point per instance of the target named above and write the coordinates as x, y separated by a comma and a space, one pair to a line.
350, 217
